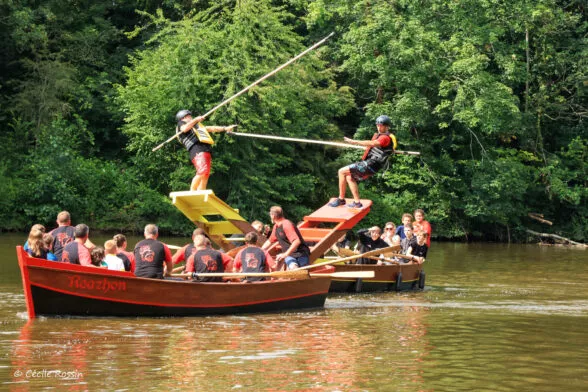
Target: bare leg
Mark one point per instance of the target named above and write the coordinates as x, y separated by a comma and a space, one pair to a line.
203, 183
354, 188
343, 173
196, 183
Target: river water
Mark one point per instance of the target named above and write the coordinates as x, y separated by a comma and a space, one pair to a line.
492, 317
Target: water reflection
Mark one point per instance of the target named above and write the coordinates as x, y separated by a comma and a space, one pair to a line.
330, 350
492, 317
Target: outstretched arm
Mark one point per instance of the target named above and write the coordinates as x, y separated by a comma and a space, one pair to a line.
216, 128
365, 143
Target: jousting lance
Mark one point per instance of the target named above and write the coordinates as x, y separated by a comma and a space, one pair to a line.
226, 101
334, 144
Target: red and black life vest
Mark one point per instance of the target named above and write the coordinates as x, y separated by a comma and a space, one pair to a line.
149, 259
378, 156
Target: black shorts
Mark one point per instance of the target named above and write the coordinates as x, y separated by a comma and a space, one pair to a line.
361, 171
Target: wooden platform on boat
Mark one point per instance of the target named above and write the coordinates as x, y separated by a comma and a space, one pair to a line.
218, 219
320, 230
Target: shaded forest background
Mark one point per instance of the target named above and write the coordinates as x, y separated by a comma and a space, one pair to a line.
492, 93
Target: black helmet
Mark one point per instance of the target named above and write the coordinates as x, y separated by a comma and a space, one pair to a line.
383, 119
182, 113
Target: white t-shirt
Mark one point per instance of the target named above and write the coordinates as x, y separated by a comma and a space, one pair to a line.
114, 262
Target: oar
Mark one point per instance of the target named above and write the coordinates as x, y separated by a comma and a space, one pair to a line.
205, 115
174, 247
290, 274
370, 253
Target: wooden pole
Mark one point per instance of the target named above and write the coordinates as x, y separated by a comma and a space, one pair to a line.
289, 274
327, 143
226, 101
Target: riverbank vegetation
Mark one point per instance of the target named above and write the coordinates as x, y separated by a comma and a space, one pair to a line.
493, 94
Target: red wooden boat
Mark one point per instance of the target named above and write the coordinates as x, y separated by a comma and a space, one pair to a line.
60, 289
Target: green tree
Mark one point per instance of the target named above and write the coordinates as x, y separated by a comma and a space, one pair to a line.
205, 58
488, 92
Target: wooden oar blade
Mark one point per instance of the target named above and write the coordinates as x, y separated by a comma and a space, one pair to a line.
344, 252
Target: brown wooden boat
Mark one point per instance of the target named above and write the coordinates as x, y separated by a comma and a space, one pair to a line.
395, 277
63, 289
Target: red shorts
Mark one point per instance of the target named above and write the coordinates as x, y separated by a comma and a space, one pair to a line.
202, 162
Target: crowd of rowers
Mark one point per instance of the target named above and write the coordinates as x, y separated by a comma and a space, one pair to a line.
152, 258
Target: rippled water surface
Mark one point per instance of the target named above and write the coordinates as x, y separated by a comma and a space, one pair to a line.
492, 318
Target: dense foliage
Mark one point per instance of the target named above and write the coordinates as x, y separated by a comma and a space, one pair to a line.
493, 94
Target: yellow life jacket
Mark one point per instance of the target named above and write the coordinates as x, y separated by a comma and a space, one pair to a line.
202, 134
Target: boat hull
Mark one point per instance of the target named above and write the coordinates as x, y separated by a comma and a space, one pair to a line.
61, 289
386, 278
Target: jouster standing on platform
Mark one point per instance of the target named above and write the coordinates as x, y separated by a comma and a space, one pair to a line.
375, 157
150, 255
295, 253
200, 149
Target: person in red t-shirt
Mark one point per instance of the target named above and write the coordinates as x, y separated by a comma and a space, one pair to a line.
253, 259
374, 158
183, 254
295, 253
76, 252
421, 225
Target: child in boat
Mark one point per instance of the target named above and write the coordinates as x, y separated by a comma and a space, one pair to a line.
36, 246
113, 262
419, 250
389, 232
121, 251
48, 241
409, 241
420, 224
406, 220
37, 226
369, 239
97, 256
